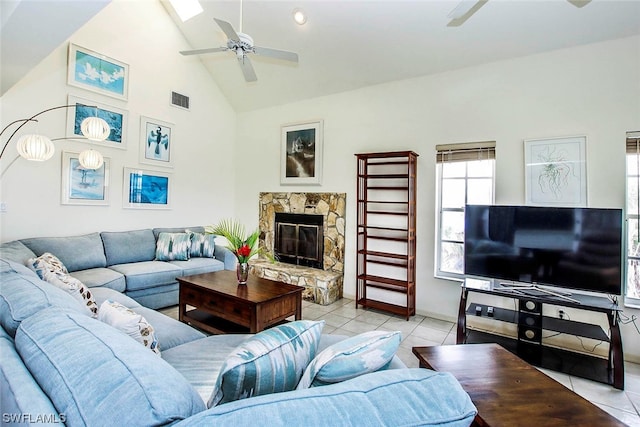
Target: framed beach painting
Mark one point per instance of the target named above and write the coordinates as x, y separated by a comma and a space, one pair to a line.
96, 72
301, 153
82, 186
144, 189
156, 142
117, 119
556, 171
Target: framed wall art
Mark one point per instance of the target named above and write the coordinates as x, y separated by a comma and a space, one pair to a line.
156, 142
301, 153
556, 171
144, 189
82, 186
96, 72
116, 118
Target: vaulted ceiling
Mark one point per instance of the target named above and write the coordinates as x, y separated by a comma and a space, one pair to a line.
346, 44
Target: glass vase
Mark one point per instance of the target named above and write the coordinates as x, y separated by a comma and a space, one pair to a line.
242, 272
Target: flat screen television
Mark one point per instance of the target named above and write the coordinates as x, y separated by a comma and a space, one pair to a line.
566, 247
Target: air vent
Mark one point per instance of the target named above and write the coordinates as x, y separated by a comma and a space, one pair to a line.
180, 100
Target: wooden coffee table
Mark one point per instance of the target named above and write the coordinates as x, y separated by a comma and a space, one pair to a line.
508, 391
217, 304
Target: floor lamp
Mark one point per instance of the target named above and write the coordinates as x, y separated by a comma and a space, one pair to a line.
40, 148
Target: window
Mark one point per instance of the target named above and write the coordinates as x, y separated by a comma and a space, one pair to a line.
633, 217
465, 175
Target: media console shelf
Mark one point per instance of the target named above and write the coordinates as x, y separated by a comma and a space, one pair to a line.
531, 323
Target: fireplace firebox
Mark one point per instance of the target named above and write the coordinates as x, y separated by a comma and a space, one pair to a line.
299, 239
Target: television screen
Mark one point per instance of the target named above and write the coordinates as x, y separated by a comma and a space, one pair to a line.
576, 248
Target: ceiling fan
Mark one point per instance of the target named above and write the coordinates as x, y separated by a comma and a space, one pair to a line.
466, 8
242, 44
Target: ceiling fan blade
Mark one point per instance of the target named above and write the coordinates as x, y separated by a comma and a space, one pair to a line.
275, 53
579, 3
464, 11
247, 69
227, 29
201, 51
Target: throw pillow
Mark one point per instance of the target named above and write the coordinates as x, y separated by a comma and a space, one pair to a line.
173, 246
128, 321
47, 262
74, 287
272, 361
362, 354
202, 245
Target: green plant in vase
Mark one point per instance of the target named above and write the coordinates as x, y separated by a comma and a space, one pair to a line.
244, 246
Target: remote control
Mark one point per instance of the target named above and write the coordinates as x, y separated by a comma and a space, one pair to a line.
490, 311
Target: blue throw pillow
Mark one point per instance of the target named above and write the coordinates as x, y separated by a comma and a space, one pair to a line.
362, 354
272, 361
173, 246
203, 245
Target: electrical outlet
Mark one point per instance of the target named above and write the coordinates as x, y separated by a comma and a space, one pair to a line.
3, 207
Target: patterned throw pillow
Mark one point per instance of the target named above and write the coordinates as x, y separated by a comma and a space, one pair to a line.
53, 271
270, 362
202, 245
362, 354
128, 321
173, 246
47, 262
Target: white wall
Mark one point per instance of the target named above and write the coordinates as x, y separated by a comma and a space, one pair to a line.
203, 141
592, 90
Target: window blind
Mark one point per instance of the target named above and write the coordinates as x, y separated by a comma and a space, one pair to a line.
465, 151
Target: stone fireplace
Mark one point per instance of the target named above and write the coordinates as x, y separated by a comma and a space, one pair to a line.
318, 215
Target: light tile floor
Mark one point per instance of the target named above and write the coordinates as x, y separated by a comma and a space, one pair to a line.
343, 318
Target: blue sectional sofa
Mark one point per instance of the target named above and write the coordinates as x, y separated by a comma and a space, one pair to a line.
59, 365
124, 261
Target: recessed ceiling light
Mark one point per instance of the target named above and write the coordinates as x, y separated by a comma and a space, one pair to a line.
299, 16
186, 9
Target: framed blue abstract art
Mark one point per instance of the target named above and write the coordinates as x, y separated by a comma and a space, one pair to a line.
144, 189
117, 119
96, 72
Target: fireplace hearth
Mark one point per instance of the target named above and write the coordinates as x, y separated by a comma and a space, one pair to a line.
299, 239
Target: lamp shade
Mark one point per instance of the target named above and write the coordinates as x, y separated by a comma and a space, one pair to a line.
35, 147
95, 128
91, 159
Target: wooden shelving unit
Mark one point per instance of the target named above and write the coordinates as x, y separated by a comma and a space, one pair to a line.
386, 240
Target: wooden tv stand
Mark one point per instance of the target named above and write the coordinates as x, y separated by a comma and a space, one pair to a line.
531, 323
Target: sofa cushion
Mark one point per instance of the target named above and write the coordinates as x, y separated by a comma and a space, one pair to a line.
131, 323
22, 295
121, 247
101, 278
20, 394
76, 252
203, 245
17, 267
142, 275
157, 297
198, 265
16, 251
200, 361
95, 377
359, 355
399, 397
270, 362
173, 246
